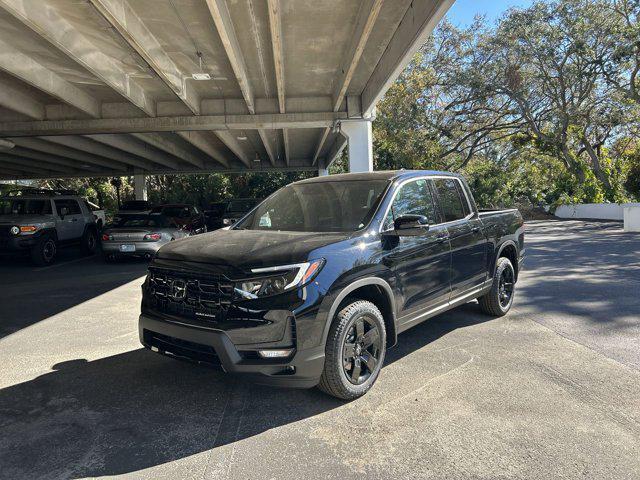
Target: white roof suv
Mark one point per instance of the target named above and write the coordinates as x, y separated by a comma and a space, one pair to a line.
38, 222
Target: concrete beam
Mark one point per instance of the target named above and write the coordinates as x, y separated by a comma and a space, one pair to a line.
268, 145
275, 25
66, 152
27, 167
137, 147
95, 148
28, 70
6, 144
335, 150
170, 124
367, 15
233, 144
163, 143
418, 23
224, 25
20, 101
47, 157
285, 140
323, 138
19, 161
199, 140
130, 26
47, 21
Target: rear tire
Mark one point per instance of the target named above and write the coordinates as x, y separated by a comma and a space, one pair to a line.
497, 302
89, 241
44, 252
355, 351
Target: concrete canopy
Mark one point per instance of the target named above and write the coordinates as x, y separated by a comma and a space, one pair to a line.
108, 87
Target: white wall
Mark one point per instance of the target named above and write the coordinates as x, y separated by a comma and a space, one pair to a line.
596, 211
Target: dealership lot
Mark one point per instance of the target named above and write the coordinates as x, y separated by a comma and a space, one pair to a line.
549, 391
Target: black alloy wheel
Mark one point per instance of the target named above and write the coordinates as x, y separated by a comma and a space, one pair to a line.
362, 347
355, 350
505, 288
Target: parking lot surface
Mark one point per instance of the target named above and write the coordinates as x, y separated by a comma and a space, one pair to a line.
550, 391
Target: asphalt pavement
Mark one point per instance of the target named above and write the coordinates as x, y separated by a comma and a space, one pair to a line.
550, 391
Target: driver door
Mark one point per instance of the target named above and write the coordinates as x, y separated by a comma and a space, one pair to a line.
420, 263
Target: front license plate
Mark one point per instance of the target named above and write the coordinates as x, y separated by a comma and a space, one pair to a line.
127, 248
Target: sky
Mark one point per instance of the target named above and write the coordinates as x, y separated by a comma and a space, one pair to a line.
463, 11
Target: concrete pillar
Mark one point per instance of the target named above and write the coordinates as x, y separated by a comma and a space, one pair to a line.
360, 141
323, 172
140, 186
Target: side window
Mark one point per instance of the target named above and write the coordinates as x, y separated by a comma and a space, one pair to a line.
414, 198
451, 200
59, 205
74, 207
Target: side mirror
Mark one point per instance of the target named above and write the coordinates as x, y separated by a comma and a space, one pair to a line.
64, 211
410, 225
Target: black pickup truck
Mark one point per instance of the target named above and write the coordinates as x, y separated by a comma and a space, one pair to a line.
316, 282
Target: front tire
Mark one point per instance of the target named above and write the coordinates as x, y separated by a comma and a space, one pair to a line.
44, 252
497, 302
355, 351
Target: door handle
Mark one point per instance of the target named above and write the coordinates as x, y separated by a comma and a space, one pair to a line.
442, 238
475, 229
74, 219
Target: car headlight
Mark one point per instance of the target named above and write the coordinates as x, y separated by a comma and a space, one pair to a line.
15, 230
226, 221
285, 277
26, 229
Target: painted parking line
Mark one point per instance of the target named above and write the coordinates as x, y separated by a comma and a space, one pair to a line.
75, 260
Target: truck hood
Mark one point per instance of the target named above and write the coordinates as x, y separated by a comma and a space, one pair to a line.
25, 219
246, 249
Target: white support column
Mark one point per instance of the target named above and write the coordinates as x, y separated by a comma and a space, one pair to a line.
140, 186
323, 172
360, 141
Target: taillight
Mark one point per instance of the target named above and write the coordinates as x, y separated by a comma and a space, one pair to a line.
105, 237
152, 237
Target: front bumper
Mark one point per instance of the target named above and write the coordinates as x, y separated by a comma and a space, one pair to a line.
19, 243
214, 347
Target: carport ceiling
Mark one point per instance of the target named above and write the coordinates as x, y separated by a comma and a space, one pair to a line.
116, 87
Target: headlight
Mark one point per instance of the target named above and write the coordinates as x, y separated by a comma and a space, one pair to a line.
26, 229
15, 230
285, 277
226, 221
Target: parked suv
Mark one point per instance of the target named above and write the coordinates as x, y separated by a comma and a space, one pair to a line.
315, 284
37, 222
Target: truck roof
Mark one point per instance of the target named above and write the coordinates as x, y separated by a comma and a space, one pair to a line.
378, 175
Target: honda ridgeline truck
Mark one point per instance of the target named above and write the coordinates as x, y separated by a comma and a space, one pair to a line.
315, 283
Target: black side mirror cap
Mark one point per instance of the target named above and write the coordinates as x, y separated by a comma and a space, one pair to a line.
410, 225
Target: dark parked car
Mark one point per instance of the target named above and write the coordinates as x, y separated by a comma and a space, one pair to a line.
213, 215
236, 209
317, 282
136, 206
187, 217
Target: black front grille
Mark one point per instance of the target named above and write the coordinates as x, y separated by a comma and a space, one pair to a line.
5, 231
182, 348
189, 295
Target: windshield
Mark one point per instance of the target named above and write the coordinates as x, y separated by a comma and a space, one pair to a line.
175, 211
240, 206
135, 205
24, 206
341, 206
157, 221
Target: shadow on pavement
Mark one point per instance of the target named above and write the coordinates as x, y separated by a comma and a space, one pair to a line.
135, 410
32, 294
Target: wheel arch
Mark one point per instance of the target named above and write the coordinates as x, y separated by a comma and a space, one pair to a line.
373, 289
509, 250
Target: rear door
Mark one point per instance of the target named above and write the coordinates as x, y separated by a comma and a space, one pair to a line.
468, 241
421, 264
